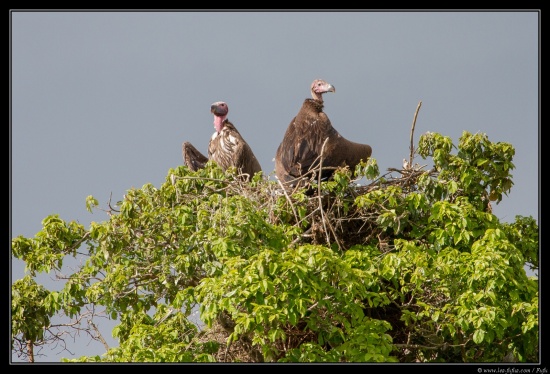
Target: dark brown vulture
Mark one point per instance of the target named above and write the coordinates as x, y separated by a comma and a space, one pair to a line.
301, 147
226, 147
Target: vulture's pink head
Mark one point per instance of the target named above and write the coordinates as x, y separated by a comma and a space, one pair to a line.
220, 110
319, 87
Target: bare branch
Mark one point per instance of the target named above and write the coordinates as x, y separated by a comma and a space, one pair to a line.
412, 133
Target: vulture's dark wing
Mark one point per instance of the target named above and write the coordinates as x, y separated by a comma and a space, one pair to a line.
297, 152
192, 157
228, 148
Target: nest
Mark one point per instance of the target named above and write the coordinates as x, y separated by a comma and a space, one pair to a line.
331, 219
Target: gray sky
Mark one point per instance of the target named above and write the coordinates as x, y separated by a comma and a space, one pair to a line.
102, 101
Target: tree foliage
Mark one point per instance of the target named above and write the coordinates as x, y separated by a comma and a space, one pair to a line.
411, 267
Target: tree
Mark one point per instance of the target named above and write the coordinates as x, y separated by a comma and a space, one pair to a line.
411, 267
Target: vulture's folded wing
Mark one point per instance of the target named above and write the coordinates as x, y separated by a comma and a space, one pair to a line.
192, 157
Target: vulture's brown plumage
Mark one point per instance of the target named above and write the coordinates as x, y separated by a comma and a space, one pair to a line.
226, 147
301, 148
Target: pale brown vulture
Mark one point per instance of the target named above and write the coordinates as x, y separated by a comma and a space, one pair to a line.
226, 147
301, 147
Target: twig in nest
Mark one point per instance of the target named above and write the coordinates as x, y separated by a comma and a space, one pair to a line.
319, 190
319, 197
203, 178
412, 132
289, 200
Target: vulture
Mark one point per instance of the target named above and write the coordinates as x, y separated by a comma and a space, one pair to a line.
226, 147
300, 150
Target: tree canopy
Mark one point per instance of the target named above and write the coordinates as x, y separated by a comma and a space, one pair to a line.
411, 266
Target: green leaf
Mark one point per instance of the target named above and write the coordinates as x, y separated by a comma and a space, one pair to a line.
479, 335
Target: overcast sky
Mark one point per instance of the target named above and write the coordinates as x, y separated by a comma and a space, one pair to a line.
102, 101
